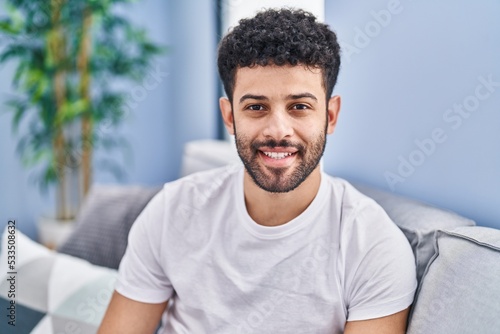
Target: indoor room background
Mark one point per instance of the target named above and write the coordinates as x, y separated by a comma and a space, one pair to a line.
420, 87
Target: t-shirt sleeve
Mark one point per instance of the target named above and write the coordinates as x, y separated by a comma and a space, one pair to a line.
140, 275
380, 266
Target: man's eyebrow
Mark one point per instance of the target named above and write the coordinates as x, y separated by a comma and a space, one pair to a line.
289, 97
301, 96
253, 97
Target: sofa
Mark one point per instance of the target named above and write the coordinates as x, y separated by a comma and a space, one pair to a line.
68, 290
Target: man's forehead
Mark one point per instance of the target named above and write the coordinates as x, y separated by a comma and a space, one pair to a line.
286, 76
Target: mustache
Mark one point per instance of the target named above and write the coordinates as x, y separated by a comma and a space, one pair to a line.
272, 143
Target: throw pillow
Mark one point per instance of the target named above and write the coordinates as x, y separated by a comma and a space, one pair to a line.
104, 221
49, 293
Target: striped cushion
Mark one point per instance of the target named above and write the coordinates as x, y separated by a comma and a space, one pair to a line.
55, 293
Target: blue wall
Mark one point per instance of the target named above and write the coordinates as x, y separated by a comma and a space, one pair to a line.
159, 120
194, 104
417, 116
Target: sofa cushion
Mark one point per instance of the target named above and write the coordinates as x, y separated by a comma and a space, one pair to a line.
104, 221
417, 220
54, 293
200, 155
460, 291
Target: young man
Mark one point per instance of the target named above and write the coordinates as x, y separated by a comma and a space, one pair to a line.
276, 246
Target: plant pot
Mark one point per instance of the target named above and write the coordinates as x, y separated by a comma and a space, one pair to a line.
53, 232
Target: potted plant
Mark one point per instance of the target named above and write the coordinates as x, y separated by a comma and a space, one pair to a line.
70, 55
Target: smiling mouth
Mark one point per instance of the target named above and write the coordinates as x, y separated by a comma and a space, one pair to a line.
278, 158
278, 155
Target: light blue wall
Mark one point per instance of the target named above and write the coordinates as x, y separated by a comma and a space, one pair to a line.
160, 120
194, 101
403, 79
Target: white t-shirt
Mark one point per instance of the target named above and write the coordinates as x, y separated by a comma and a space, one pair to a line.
341, 259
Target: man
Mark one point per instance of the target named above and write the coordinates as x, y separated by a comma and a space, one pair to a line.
276, 246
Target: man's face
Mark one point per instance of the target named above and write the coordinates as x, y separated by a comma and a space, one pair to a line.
280, 122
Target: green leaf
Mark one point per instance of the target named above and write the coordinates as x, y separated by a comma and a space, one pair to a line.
13, 51
70, 111
19, 107
20, 72
6, 26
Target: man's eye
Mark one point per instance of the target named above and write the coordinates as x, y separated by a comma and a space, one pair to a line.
300, 106
256, 107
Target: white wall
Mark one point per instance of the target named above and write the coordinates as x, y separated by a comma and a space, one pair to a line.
235, 10
417, 116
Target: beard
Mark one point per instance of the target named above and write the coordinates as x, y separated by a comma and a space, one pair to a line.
280, 180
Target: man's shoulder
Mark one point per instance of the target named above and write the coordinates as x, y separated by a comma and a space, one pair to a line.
348, 196
359, 210
375, 261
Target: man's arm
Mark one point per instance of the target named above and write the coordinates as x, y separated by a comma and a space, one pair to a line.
127, 316
392, 324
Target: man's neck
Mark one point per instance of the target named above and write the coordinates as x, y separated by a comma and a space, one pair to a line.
273, 209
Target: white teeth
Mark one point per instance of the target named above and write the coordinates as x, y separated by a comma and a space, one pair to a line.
278, 155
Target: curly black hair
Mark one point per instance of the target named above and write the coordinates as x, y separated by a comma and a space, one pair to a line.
279, 37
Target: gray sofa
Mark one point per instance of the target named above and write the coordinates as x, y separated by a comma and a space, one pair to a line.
458, 263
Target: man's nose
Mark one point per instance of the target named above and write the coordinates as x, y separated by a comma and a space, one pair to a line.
278, 126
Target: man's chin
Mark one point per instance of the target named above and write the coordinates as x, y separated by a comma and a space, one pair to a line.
275, 180
278, 188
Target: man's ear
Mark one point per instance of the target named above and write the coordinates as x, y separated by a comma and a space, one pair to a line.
333, 113
227, 114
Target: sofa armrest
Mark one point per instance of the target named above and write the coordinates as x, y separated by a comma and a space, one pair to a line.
460, 290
